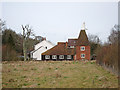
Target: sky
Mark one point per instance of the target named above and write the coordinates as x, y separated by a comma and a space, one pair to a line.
58, 21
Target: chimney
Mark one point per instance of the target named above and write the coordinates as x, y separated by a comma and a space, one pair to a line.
66, 44
62, 43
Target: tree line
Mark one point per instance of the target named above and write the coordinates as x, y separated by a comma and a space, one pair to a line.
17, 46
107, 54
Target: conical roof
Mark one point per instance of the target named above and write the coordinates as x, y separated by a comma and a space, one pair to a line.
82, 39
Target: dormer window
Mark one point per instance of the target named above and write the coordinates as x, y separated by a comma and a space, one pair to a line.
71, 46
82, 48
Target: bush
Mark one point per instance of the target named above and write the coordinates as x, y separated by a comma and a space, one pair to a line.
107, 55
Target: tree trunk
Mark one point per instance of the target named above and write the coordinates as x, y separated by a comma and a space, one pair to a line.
26, 34
24, 50
24, 47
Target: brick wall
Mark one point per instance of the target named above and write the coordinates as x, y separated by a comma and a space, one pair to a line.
79, 52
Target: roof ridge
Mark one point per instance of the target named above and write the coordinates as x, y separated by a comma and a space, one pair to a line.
36, 49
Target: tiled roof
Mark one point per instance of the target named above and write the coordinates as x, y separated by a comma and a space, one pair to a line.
72, 42
82, 39
60, 49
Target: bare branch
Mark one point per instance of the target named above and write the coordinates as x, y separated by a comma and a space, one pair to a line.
27, 32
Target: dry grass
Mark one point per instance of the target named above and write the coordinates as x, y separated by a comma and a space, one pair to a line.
56, 74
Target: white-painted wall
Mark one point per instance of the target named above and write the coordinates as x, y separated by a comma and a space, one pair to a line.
37, 54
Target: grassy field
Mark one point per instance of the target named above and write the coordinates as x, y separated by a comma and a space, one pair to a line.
56, 74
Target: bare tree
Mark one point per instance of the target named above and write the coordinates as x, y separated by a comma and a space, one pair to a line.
2, 26
94, 42
93, 38
27, 32
114, 36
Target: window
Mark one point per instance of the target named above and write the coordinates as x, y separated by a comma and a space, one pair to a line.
61, 57
68, 56
82, 48
71, 46
82, 55
54, 57
47, 56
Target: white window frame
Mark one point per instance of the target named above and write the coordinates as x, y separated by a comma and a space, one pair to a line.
61, 56
82, 55
54, 56
69, 56
71, 46
74, 41
47, 56
81, 48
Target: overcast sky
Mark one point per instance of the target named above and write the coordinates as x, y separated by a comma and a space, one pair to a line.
60, 21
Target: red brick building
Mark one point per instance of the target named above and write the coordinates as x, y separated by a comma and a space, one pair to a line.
82, 47
74, 49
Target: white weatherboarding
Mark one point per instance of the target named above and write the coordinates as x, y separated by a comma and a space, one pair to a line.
40, 48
